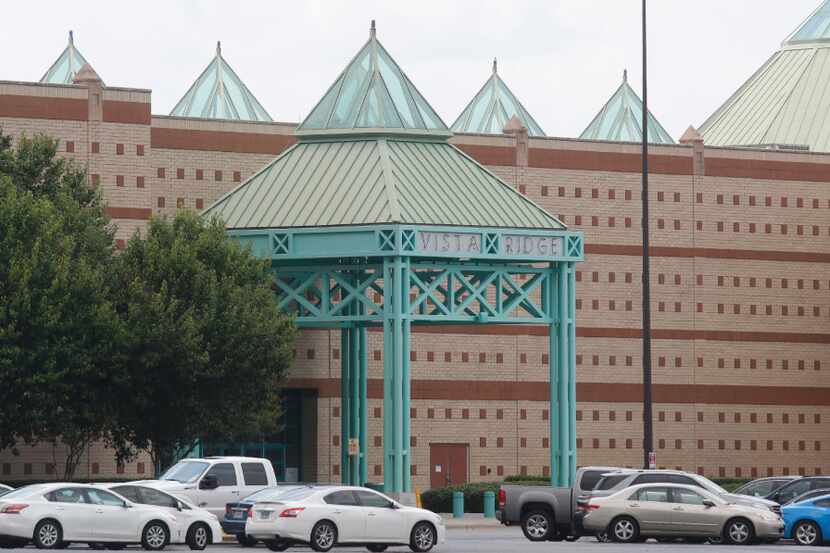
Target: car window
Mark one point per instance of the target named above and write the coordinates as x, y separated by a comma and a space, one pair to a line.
67, 495
682, 479
100, 497
254, 474
819, 484
790, 491
822, 503
652, 478
149, 496
653, 494
185, 471
590, 479
345, 497
759, 489
130, 492
686, 497
371, 499
224, 473
295, 494
610, 481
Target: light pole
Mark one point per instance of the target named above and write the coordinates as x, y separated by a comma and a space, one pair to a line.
648, 431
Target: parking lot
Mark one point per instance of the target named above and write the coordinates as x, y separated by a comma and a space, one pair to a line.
500, 540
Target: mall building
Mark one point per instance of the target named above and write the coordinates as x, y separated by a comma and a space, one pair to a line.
740, 226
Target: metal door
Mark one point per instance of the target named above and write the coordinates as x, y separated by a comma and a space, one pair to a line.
448, 465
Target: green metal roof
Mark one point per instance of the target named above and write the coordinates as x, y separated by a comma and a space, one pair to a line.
783, 105
490, 110
621, 119
219, 93
66, 66
372, 181
372, 93
815, 28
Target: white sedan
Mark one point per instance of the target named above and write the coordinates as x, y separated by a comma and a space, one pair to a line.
196, 527
325, 516
55, 515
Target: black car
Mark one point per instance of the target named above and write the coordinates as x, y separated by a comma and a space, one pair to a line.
763, 487
236, 513
809, 495
797, 487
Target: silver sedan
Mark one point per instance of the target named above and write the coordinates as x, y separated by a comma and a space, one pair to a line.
678, 511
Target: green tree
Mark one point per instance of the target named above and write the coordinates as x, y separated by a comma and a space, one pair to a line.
206, 348
58, 331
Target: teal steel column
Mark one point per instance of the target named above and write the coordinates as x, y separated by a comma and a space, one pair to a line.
564, 377
397, 377
405, 379
364, 408
354, 366
572, 369
345, 473
553, 369
388, 363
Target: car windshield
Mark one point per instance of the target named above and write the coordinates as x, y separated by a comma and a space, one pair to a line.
296, 494
711, 486
267, 494
609, 481
185, 471
24, 491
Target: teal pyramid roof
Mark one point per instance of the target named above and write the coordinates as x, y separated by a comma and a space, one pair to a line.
372, 93
66, 66
621, 119
815, 28
491, 109
219, 93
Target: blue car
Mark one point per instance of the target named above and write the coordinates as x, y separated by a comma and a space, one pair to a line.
808, 522
236, 513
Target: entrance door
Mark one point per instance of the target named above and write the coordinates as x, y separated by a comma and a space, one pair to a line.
448, 465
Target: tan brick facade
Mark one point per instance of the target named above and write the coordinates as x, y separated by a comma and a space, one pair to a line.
740, 296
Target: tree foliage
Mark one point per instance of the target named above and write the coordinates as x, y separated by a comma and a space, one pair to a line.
206, 347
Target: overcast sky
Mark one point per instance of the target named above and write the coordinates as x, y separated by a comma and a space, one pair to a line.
562, 58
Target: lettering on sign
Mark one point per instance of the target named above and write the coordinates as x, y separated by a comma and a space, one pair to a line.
537, 246
449, 242
354, 446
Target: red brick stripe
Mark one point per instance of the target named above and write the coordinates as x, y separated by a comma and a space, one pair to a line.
219, 141
139, 213
715, 253
115, 111
608, 161
496, 390
38, 107
767, 169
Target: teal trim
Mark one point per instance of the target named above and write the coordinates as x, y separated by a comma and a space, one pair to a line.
554, 330
571, 412
345, 375
564, 378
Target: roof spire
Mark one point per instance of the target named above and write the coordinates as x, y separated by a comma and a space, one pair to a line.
71, 38
218, 47
372, 30
495, 66
625, 75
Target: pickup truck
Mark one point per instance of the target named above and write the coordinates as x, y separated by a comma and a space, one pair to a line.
213, 482
547, 513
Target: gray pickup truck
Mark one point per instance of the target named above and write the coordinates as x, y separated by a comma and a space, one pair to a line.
544, 512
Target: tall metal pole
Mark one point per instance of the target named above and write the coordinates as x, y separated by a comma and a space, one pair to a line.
648, 433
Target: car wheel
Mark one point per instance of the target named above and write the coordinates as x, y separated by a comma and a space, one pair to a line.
537, 525
422, 538
245, 540
323, 536
48, 534
807, 533
198, 537
154, 536
738, 531
377, 547
278, 545
624, 530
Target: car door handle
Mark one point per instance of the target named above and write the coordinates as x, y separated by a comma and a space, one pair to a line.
635, 505
337, 512
59, 508
678, 509
372, 514
99, 510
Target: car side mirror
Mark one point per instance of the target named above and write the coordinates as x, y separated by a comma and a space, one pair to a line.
127, 505
209, 482
178, 505
708, 503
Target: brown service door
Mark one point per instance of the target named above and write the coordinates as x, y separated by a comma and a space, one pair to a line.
448, 465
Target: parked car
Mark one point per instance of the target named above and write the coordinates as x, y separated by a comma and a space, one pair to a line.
798, 487
4, 489
236, 513
807, 495
196, 527
325, 516
54, 515
213, 482
678, 511
762, 487
808, 522
547, 513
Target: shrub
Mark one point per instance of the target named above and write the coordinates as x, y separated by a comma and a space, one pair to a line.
512, 479
440, 500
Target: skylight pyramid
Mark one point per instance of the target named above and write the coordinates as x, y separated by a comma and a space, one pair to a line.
219, 93
815, 28
620, 119
492, 108
373, 92
66, 66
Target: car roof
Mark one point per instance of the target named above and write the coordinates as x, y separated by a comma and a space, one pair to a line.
227, 458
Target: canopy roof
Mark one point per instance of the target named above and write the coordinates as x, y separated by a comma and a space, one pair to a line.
784, 103
219, 93
66, 66
490, 110
621, 119
373, 93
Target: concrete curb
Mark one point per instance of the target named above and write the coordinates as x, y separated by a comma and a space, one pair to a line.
469, 521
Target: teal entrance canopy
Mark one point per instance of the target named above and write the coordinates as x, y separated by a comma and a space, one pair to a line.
374, 219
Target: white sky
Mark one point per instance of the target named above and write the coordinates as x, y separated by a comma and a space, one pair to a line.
562, 58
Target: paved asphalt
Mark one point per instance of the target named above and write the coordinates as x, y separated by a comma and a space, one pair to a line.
503, 540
